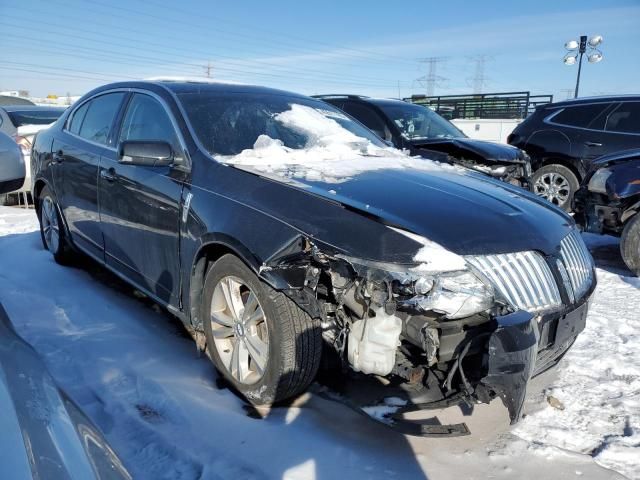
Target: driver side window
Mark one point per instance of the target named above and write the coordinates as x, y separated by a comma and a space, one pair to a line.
146, 119
369, 118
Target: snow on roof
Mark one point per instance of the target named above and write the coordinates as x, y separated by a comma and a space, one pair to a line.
192, 80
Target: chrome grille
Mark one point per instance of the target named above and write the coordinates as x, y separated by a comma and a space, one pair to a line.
523, 279
578, 263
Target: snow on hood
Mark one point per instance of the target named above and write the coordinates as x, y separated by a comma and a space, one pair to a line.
433, 257
25, 130
332, 154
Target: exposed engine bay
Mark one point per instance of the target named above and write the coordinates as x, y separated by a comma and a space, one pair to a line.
437, 336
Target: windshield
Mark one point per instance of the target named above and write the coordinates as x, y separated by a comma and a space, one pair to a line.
228, 124
34, 117
417, 122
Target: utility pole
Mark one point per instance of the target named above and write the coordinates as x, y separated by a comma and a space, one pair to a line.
479, 78
208, 69
432, 79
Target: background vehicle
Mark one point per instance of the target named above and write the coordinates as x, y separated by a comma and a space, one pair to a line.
609, 202
564, 138
45, 434
22, 122
280, 230
423, 132
12, 169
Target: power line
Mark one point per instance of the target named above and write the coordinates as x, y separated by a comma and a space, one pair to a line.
163, 63
228, 59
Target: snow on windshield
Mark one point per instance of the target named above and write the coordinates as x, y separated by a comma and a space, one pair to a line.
331, 153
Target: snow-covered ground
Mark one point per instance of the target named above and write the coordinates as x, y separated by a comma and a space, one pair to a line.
135, 372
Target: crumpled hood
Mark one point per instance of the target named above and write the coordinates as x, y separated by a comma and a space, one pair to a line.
466, 213
471, 148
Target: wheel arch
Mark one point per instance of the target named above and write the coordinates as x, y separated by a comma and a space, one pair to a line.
212, 248
565, 162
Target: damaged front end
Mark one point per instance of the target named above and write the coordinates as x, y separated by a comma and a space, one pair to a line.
435, 330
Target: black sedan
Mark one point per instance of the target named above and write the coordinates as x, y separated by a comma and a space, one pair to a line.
282, 232
421, 131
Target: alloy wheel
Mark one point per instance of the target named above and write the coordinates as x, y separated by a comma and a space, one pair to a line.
554, 187
50, 227
240, 331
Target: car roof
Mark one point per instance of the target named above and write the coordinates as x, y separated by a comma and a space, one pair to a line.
32, 108
372, 100
595, 99
184, 86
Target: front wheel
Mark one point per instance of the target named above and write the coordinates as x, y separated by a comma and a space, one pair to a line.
52, 231
557, 184
630, 244
260, 341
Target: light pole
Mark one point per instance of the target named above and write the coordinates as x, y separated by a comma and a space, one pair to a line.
576, 49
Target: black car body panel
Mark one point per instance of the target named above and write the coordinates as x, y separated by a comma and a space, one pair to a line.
160, 227
472, 153
576, 132
45, 434
608, 211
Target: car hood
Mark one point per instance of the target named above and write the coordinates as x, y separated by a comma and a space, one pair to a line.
614, 159
473, 149
464, 211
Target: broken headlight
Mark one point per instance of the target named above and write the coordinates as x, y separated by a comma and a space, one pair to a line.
598, 183
455, 294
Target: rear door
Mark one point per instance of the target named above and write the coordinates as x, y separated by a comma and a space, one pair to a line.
77, 152
622, 127
140, 206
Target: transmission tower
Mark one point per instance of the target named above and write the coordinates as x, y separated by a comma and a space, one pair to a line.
208, 69
479, 78
432, 79
568, 93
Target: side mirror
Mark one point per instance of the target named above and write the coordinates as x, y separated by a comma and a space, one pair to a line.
12, 169
145, 153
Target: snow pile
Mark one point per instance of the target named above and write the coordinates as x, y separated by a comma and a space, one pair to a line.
332, 153
599, 384
139, 378
432, 256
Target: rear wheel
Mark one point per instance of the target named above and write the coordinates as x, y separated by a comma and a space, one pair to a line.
557, 184
630, 244
260, 340
52, 230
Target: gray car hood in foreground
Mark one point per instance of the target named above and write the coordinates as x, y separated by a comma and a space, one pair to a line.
43, 434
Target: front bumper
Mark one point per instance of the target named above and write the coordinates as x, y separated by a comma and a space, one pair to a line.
523, 346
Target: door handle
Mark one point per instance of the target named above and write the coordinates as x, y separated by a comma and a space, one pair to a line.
108, 175
593, 144
58, 157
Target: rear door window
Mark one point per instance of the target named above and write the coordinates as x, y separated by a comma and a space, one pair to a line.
581, 116
77, 118
99, 117
625, 118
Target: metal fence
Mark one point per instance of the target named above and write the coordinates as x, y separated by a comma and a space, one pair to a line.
513, 105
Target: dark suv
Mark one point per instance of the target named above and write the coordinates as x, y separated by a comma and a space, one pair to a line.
564, 138
281, 231
422, 131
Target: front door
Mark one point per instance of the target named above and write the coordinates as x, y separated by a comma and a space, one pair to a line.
140, 206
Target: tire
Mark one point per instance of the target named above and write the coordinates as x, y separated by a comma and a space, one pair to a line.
52, 231
557, 184
630, 244
293, 339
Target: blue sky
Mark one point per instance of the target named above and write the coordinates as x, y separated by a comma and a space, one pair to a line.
373, 48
